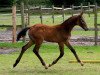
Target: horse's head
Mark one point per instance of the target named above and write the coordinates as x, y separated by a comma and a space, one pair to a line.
81, 22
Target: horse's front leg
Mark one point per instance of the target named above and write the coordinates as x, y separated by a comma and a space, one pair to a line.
36, 51
61, 47
24, 48
74, 52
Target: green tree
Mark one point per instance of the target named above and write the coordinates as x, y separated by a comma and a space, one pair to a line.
48, 2
5, 2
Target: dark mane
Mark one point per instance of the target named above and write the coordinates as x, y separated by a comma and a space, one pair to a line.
71, 20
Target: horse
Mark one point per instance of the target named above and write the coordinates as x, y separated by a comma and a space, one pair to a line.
60, 34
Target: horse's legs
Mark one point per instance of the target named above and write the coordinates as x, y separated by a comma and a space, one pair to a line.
36, 51
74, 52
61, 47
24, 48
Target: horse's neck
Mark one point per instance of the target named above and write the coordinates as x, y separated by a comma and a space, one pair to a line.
68, 26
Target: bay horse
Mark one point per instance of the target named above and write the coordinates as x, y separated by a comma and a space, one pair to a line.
58, 33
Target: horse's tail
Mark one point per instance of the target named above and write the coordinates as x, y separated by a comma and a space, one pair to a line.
22, 33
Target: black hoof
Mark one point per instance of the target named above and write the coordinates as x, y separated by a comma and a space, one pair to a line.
17, 61
46, 67
50, 65
14, 65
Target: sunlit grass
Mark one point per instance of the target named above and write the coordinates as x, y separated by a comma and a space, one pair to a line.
30, 64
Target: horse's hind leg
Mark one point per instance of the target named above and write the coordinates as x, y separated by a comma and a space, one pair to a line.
74, 52
24, 48
61, 47
36, 51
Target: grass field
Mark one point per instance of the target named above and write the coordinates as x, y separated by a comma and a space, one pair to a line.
30, 65
6, 19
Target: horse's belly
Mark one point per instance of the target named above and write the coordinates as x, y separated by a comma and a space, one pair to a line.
50, 40
55, 39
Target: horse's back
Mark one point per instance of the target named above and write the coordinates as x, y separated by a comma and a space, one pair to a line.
47, 33
40, 29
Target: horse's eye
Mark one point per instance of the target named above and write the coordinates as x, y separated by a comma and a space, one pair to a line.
82, 21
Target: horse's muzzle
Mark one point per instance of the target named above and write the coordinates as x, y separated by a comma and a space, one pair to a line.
86, 29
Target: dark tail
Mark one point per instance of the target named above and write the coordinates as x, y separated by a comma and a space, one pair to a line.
22, 33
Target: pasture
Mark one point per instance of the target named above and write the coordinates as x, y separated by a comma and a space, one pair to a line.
30, 64
47, 19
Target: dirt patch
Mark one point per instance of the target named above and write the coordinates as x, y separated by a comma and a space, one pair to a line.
4, 50
6, 36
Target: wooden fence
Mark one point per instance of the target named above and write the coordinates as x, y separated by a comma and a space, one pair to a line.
73, 10
42, 10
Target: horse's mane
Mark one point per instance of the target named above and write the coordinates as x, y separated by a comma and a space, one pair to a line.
70, 20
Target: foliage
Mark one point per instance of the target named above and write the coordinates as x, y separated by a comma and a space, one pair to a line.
66, 3
6, 2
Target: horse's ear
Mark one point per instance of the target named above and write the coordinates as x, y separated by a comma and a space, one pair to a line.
81, 13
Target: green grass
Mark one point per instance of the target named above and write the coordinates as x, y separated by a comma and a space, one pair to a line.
6, 19
30, 65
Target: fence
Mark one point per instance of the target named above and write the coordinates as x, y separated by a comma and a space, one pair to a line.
26, 14
52, 10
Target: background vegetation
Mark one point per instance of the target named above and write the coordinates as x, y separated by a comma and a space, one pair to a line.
66, 3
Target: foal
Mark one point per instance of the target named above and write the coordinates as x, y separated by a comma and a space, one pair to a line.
59, 33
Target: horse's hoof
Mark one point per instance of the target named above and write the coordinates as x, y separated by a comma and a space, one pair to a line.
82, 64
14, 65
46, 67
49, 65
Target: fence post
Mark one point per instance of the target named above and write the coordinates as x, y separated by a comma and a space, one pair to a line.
53, 13
22, 14
14, 22
28, 15
95, 24
72, 9
26, 19
81, 7
89, 8
63, 12
41, 18
22, 17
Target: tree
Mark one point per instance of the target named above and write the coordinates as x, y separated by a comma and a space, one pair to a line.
66, 3
6, 2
